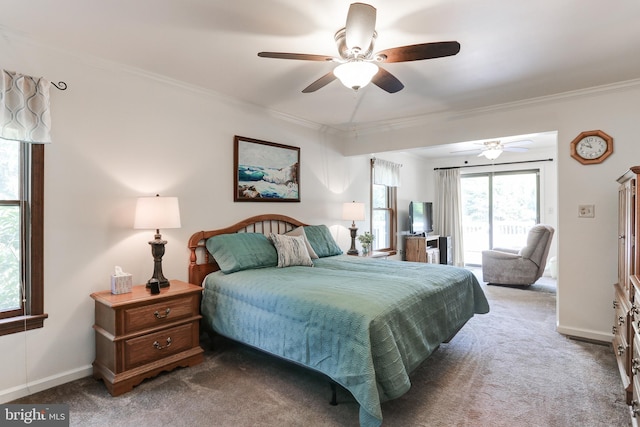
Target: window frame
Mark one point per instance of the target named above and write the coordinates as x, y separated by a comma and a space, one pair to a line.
32, 314
490, 198
391, 208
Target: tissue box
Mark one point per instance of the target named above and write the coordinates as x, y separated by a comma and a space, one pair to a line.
121, 284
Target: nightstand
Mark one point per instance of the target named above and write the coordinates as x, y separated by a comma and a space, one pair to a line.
139, 335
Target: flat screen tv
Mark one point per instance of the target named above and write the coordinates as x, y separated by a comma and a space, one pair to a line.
420, 217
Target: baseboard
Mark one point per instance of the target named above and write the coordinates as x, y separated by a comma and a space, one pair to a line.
584, 334
44, 384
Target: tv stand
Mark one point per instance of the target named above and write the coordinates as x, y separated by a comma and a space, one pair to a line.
422, 249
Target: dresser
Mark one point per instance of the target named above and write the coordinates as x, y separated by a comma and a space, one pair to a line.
626, 301
139, 335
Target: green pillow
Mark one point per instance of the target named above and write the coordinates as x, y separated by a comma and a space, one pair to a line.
242, 251
322, 241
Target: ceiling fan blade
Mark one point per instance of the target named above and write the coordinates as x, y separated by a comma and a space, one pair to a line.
300, 56
475, 150
417, 52
515, 149
387, 81
360, 26
320, 83
521, 142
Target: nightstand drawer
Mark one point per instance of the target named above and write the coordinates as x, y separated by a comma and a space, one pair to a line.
149, 348
139, 318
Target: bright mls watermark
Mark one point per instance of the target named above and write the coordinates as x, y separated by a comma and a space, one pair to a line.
55, 415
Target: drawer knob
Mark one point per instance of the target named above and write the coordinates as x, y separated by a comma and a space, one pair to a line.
614, 330
615, 304
635, 365
157, 345
634, 409
620, 349
162, 316
621, 320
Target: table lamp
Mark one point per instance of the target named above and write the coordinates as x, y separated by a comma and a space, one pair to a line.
355, 212
156, 213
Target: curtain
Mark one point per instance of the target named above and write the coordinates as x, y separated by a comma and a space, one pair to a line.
24, 108
386, 173
448, 215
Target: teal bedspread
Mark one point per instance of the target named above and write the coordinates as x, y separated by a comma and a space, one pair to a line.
366, 323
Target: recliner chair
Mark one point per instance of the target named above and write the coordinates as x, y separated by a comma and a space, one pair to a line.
519, 267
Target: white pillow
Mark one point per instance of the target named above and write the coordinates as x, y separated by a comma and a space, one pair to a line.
291, 250
300, 232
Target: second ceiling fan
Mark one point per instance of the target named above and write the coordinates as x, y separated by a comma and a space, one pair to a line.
358, 62
492, 149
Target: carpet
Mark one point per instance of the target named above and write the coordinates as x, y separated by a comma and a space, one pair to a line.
505, 368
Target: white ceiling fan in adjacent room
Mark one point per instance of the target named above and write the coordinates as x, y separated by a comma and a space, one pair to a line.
493, 149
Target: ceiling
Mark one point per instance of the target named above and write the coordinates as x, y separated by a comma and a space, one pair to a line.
511, 50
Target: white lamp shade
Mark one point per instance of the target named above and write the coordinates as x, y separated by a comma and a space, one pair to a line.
356, 74
353, 211
492, 153
157, 213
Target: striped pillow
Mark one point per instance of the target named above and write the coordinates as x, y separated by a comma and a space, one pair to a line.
292, 250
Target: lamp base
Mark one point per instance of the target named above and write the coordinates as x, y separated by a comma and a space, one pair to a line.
162, 284
352, 250
157, 250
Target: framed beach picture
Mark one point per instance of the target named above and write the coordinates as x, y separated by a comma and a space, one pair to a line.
265, 171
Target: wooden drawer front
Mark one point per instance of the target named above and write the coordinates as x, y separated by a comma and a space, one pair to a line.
163, 312
635, 307
621, 349
621, 320
149, 348
635, 402
635, 357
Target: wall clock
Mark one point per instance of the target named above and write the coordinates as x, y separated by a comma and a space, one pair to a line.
591, 147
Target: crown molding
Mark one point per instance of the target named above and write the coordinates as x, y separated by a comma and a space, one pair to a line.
414, 121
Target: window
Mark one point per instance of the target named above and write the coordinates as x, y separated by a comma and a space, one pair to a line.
383, 215
21, 236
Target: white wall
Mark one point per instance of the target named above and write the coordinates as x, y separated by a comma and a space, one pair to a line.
587, 247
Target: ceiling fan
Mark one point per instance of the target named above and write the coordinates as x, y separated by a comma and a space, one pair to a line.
358, 64
492, 149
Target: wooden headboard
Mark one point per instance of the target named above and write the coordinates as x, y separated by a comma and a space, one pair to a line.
202, 263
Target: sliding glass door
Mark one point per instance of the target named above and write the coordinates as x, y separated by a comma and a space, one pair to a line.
498, 210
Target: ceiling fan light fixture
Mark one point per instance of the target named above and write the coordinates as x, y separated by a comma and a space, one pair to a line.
355, 74
492, 153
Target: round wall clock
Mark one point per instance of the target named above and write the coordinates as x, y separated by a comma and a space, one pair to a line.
591, 147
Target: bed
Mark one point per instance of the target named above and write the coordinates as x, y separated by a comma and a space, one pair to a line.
365, 323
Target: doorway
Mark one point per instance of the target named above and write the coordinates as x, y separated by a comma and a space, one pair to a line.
498, 209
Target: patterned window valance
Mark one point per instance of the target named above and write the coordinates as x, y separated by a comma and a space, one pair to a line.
24, 108
386, 173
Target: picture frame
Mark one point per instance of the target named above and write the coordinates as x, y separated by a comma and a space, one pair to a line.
265, 171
